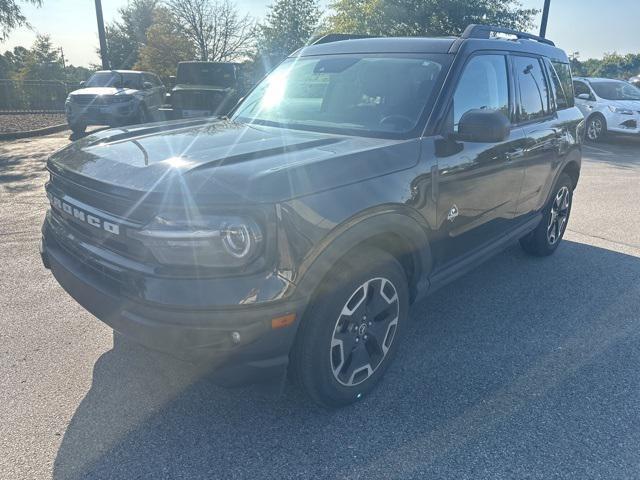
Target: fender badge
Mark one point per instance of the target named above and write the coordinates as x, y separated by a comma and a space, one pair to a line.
453, 213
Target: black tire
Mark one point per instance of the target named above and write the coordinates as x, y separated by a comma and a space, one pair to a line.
77, 129
596, 128
143, 115
321, 367
544, 240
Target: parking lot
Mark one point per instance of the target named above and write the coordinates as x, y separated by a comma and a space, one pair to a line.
524, 368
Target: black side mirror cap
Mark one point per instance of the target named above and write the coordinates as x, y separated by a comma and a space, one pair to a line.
484, 126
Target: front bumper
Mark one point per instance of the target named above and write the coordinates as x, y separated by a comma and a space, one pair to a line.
116, 114
199, 335
623, 124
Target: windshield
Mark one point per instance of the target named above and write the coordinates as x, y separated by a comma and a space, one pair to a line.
115, 79
371, 94
216, 74
616, 90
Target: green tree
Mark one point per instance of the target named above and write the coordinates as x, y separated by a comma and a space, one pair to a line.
11, 15
289, 25
126, 36
425, 17
166, 46
42, 62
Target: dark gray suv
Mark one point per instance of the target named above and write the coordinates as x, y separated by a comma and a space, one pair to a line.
359, 176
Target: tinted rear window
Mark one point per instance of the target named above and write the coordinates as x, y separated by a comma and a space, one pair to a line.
219, 75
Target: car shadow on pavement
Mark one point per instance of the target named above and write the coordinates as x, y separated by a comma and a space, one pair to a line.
524, 365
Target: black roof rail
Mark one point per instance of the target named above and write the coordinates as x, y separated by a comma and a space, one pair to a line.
337, 37
485, 31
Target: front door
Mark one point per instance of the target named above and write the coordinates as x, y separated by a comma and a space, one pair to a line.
478, 183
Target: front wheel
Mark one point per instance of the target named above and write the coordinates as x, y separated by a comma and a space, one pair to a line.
350, 333
548, 234
596, 128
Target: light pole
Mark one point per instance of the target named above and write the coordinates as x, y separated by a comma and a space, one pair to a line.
545, 18
101, 35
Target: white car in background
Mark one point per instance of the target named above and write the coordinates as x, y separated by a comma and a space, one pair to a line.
609, 106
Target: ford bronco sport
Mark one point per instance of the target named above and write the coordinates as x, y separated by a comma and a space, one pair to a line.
358, 176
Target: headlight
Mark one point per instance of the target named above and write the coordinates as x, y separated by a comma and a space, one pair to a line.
621, 111
214, 241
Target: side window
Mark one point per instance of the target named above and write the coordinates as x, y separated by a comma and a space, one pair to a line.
483, 84
534, 93
564, 73
581, 87
557, 88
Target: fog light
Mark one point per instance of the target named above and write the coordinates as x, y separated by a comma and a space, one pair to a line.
235, 337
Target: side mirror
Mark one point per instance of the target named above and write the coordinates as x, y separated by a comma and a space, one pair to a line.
172, 81
82, 84
147, 85
484, 126
584, 96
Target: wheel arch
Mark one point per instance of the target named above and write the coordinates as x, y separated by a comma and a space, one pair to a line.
396, 232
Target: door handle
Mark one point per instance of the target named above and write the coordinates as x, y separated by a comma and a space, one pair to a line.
514, 154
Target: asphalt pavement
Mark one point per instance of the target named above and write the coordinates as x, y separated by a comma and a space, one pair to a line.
524, 368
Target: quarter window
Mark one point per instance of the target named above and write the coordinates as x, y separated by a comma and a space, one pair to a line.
557, 88
534, 92
483, 84
564, 73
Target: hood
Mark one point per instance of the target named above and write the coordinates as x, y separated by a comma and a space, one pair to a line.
103, 91
208, 88
628, 104
226, 162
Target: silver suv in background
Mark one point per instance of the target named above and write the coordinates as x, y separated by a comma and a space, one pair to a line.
608, 106
114, 98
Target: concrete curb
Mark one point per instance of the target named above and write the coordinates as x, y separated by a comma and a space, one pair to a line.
34, 133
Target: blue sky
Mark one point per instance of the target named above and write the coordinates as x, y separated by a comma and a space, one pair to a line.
591, 27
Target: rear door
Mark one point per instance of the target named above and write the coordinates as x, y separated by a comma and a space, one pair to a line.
478, 183
536, 114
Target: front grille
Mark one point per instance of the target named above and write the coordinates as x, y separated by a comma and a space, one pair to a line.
97, 100
198, 100
85, 99
91, 220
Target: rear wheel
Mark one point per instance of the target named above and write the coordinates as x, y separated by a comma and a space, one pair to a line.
548, 234
350, 333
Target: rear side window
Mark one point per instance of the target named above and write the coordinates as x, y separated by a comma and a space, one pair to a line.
483, 84
563, 70
534, 92
557, 89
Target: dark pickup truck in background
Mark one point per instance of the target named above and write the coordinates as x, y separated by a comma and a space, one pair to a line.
204, 89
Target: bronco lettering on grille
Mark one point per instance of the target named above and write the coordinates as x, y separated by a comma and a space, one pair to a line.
83, 216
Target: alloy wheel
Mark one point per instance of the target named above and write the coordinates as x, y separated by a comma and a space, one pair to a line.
594, 129
364, 331
559, 215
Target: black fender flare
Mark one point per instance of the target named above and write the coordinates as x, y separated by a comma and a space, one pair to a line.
400, 221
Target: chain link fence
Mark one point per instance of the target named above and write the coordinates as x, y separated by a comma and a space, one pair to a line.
34, 96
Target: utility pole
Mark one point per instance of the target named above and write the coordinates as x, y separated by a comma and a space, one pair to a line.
101, 35
64, 65
545, 18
